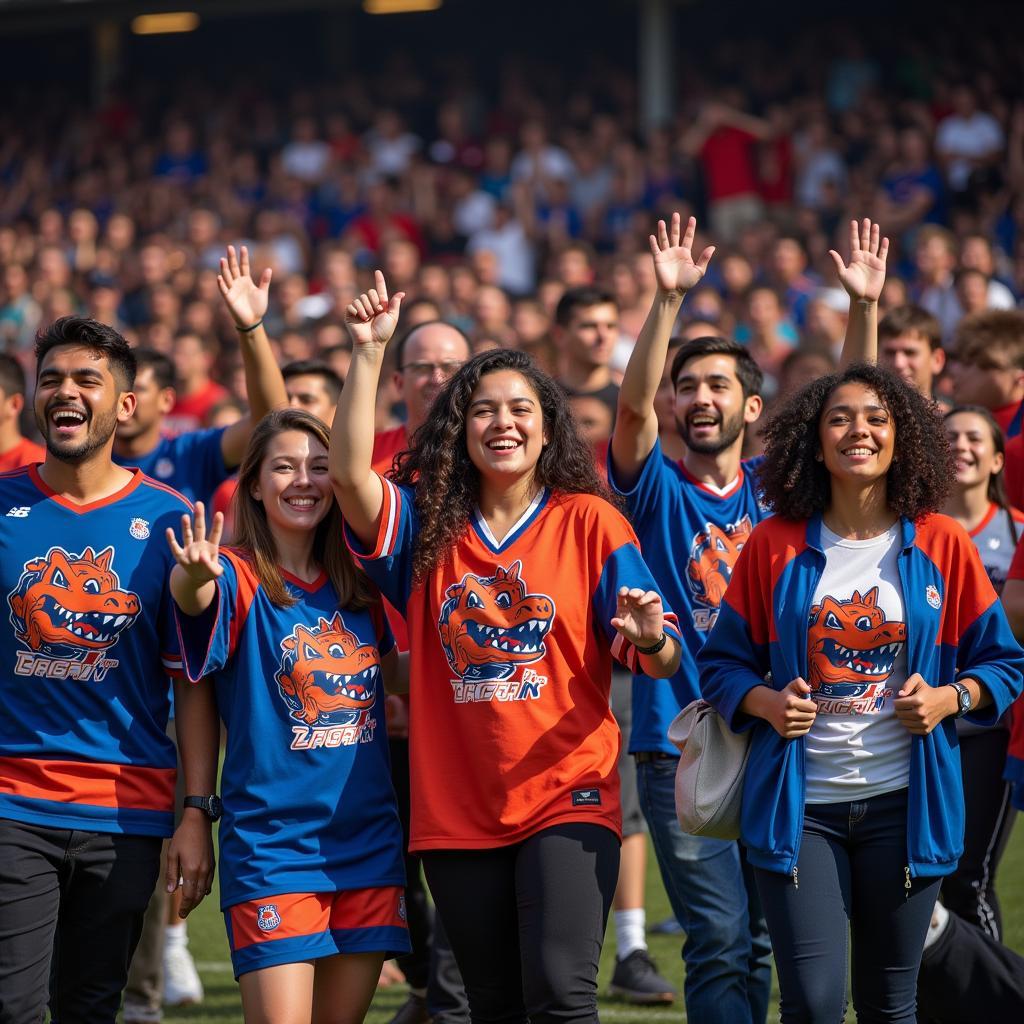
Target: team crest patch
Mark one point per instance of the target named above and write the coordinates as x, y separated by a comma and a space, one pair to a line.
267, 917
72, 608
139, 529
931, 595
713, 554
164, 469
328, 676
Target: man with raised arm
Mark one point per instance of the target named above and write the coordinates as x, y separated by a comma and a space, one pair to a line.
692, 518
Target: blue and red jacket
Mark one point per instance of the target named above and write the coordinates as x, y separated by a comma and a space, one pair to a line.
955, 627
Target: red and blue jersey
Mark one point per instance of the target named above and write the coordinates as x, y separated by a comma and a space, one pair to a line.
955, 627
306, 783
89, 643
691, 534
511, 648
191, 463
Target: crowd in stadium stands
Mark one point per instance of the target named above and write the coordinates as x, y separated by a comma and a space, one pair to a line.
486, 208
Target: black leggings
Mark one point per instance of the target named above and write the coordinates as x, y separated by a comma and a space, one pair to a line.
526, 922
970, 891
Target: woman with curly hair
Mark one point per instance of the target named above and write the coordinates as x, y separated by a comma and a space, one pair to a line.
519, 583
859, 625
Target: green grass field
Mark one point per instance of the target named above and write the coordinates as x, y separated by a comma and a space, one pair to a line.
206, 930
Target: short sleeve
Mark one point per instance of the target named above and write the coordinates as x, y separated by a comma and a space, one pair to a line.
201, 458
209, 640
648, 497
389, 562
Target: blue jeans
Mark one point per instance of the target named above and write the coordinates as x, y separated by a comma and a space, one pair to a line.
852, 877
713, 896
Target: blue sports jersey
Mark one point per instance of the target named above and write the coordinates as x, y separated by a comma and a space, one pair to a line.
89, 642
690, 536
306, 784
191, 463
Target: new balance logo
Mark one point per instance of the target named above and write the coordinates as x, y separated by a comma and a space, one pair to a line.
19, 511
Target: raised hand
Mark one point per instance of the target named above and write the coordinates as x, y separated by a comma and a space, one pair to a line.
246, 301
197, 553
639, 616
372, 318
865, 275
674, 267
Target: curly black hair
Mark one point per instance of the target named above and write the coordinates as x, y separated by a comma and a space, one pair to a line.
797, 484
447, 484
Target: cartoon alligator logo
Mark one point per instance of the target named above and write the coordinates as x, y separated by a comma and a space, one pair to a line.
67, 605
328, 676
713, 554
851, 646
491, 624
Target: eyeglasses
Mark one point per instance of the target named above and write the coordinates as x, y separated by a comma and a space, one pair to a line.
446, 370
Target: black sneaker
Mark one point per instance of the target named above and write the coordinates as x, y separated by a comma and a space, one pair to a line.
412, 1011
636, 979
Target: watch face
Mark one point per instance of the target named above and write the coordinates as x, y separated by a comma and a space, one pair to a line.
965, 700
216, 807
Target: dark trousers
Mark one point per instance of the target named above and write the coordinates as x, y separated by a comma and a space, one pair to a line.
970, 891
431, 964
71, 907
967, 976
527, 922
851, 878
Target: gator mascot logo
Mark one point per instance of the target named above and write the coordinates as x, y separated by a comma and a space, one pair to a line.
328, 676
68, 606
489, 625
713, 554
852, 648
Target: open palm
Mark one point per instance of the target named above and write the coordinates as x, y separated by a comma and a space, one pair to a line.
864, 276
674, 266
372, 318
197, 552
246, 300
639, 615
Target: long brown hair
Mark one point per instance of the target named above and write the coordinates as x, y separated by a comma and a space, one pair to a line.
253, 535
446, 481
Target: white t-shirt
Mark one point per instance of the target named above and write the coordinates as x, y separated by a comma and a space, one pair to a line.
857, 662
969, 138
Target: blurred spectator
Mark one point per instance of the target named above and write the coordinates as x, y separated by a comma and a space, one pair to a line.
967, 139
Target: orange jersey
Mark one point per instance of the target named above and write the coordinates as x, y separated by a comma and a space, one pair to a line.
511, 649
24, 453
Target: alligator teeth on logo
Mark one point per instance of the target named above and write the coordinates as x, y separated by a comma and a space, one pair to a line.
491, 624
713, 554
852, 646
67, 605
328, 676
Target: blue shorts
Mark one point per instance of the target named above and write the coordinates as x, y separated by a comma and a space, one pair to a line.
300, 926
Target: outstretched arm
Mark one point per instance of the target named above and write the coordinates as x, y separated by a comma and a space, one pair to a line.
636, 425
863, 280
371, 321
247, 303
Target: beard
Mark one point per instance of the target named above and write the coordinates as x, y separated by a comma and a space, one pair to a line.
98, 433
728, 432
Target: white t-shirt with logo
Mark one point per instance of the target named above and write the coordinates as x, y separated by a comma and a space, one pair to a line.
857, 662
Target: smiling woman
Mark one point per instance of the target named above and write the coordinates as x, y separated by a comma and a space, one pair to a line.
299, 653
875, 624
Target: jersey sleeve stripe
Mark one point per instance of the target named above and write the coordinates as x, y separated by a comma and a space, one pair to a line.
85, 782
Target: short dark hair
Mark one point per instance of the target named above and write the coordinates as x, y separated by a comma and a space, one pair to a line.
910, 319
747, 371
979, 333
315, 368
12, 376
579, 298
404, 339
161, 365
83, 330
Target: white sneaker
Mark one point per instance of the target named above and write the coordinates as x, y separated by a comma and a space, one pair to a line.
182, 986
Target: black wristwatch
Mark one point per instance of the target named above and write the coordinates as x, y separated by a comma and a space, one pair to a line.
963, 699
655, 647
209, 805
